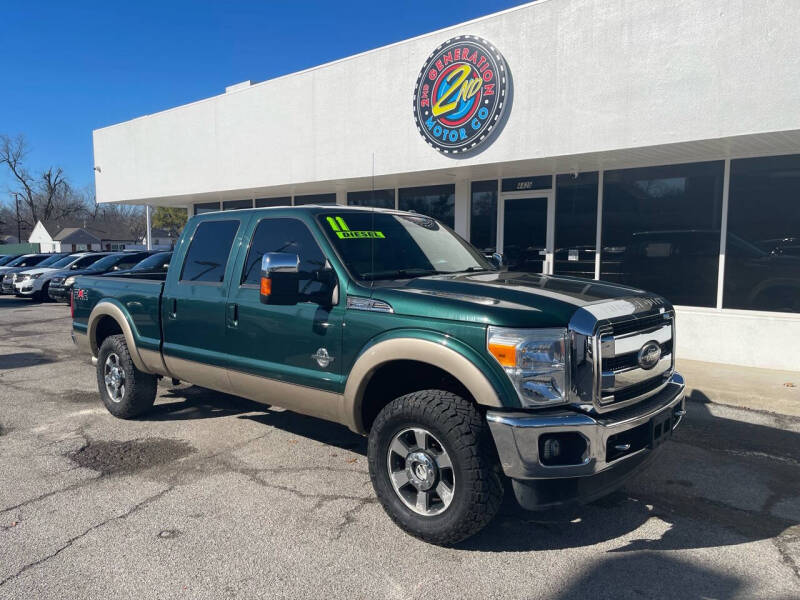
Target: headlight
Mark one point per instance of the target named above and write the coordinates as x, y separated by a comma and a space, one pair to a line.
69, 281
536, 361
36, 275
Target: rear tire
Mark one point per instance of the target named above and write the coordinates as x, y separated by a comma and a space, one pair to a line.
126, 391
448, 486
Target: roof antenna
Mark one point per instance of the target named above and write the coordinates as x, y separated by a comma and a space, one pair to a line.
372, 227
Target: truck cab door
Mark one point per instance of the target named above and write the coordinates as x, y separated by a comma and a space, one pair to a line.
193, 303
299, 345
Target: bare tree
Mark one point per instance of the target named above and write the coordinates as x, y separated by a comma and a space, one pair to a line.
43, 197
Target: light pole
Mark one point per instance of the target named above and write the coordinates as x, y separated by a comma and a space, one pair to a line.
19, 228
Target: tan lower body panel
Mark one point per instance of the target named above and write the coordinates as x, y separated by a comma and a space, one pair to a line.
154, 362
298, 398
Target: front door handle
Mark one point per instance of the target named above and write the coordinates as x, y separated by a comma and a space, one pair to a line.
174, 313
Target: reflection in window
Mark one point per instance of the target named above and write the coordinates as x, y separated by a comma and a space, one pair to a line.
293, 237
237, 204
269, 202
209, 250
373, 198
321, 199
762, 255
525, 233
661, 230
483, 216
206, 207
437, 201
576, 225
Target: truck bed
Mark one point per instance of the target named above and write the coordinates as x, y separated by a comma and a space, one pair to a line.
138, 299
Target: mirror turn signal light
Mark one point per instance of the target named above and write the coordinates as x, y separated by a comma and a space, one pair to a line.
266, 286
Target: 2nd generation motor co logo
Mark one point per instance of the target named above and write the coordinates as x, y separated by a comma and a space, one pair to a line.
460, 95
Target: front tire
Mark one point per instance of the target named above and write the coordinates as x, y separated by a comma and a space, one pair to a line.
126, 391
434, 467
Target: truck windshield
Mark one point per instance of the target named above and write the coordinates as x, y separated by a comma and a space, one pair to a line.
380, 245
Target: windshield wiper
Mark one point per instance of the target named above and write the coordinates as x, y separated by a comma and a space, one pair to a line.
401, 274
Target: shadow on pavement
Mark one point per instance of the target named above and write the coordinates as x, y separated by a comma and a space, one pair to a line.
19, 360
194, 402
690, 519
650, 575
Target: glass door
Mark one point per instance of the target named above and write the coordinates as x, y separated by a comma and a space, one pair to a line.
526, 234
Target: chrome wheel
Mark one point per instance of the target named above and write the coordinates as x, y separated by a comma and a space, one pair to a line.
114, 376
421, 471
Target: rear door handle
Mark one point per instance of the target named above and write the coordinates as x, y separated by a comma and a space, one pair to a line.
233, 315
174, 308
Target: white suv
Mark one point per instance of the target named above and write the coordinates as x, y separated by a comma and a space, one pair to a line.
33, 282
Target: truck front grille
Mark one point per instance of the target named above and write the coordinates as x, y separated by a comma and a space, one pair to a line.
620, 378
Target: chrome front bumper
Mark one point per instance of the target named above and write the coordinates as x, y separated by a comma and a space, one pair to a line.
516, 435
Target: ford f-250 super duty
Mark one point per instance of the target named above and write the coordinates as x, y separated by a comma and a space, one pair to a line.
458, 371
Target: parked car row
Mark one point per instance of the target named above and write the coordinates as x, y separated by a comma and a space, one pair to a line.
46, 277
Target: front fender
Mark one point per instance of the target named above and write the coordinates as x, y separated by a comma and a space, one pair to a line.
426, 346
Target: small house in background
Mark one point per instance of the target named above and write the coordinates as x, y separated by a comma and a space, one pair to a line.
65, 235
162, 239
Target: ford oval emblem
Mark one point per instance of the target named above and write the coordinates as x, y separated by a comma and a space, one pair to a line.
649, 355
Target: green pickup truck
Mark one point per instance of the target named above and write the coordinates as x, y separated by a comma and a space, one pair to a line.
462, 374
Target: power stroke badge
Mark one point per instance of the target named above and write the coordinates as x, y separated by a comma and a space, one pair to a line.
461, 94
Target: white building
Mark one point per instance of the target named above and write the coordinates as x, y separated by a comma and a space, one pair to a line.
77, 236
651, 143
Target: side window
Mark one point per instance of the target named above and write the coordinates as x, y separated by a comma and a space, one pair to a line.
285, 235
208, 253
127, 263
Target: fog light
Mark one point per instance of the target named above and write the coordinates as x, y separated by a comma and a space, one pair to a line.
560, 449
551, 450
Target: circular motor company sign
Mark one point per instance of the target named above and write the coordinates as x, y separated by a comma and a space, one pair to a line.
461, 93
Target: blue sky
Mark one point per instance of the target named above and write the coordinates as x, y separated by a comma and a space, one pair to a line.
70, 67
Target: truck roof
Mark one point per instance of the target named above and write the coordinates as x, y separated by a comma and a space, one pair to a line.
311, 209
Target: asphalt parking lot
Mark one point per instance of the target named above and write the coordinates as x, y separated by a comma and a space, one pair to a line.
212, 496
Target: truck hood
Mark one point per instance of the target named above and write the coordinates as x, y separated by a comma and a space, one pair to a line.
509, 299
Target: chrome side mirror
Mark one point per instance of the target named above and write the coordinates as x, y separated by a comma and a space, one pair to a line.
497, 260
279, 282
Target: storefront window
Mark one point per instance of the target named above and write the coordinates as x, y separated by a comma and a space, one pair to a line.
236, 204
322, 199
205, 207
576, 224
373, 198
437, 201
762, 255
268, 202
661, 230
483, 216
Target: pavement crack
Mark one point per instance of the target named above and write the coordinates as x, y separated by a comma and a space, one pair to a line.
350, 516
74, 539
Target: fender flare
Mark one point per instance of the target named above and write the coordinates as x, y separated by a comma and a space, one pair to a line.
443, 353
110, 309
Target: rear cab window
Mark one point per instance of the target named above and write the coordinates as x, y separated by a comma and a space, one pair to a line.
209, 251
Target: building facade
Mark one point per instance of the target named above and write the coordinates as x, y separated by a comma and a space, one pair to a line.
655, 144
77, 236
